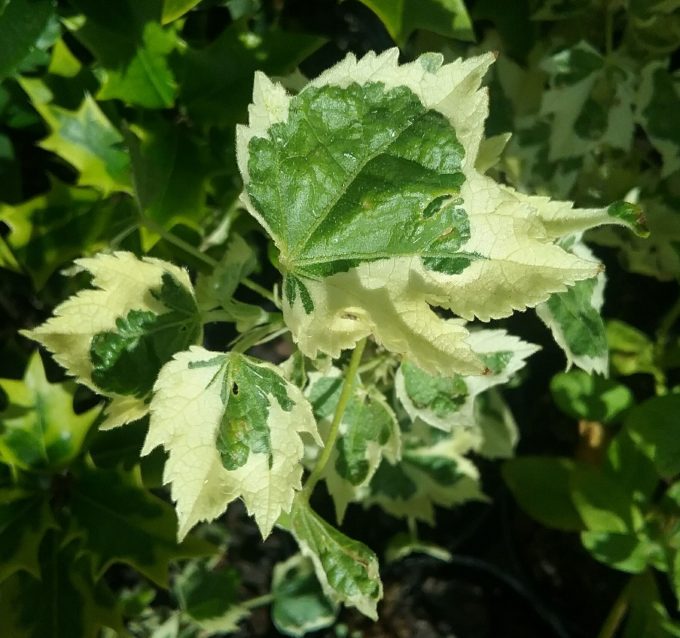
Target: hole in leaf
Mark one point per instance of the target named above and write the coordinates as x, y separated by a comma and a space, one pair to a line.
234, 389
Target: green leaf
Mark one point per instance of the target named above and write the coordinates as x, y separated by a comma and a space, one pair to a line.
126, 360
51, 229
71, 604
132, 48
122, 522
346, 569
631, 350
216, 290
654, 426
590, 102
445, 17
648, 616
560, 9
630, 465
658, 94
24, 521
590, 397
169, 169
496, 425
21, 24
368, 433
427, 475
217, 79
146, 80
232, 427
116, 337
447, 402
625, 552
210, 597
300, 605
400, 147
173, 9
39, 429
575, 322
542, 487
85, 138
602, 502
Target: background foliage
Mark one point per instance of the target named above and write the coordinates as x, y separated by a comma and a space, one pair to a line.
117, 125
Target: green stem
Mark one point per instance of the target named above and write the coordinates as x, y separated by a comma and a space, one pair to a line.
261, 290
345, 396
177, 241
259, 601
206, 259
609, 29
667, 323
617, 612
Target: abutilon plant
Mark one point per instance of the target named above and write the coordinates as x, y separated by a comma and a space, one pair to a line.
371, 184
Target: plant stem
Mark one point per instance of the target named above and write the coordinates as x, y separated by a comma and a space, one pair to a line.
261, 290
345, 396
617, 612
259, 601
206, 259
177, 241
609, 29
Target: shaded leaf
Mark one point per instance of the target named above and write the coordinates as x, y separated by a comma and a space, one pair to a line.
85, 138
300, 605
654, 426
24, 521
210, 597
71, 605
347, 570
218, 79
590, 397
21, 24
39, 429
542, 487
446, 17
122, 522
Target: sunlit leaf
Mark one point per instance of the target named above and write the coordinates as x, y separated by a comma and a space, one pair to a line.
232, 427
115, 337
370, 140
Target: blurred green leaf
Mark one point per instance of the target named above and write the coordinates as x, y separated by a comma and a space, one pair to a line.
603, 504
210, 596
445, 17
655, 426
123, 522
24, 520
65, 602
625, 552
631, 351
39, 428
170, 167
173, 9
50, 230
542, 487
21, 24
590, 397
85, 138
217, 82
300, 605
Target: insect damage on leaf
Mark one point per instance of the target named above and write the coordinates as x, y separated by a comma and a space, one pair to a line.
232, 426
366, 182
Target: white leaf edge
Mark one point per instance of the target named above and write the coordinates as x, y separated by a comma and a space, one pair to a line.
185, 416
